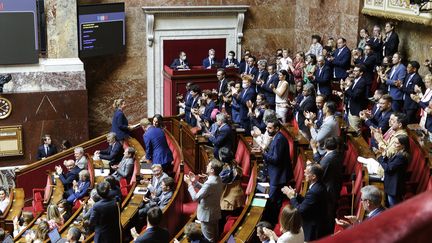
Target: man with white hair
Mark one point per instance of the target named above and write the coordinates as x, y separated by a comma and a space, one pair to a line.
209, 61
72, 174
223, 137
322, 77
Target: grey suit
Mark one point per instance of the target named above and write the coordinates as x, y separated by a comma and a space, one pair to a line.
209, 210
125, 169
82, 163
156, 185
329, 128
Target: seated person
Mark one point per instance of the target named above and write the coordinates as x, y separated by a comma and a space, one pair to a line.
65, 209
260, 232
233, 196
47, 148
70, 176
4, 200
256, 112
193, 233
371, 198
181, 62
87, 208
156, 146
5, 237
209, 61
155, 185
65, 144
154, 232
21, 223
114, 191
54, 219
291, 227
73, 235
80, 159
223, 137
168, 187
230, 61
114, 153
125, 168
79, 189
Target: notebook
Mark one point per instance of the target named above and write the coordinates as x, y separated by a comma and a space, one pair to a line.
55, 237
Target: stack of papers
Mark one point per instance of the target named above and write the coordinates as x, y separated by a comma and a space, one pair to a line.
372, 165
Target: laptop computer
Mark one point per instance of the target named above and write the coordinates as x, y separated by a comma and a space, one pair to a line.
55, 236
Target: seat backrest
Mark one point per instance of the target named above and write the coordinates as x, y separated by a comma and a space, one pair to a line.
246, 163
290, 145
90, 168
48, 189
135, 172
358, 183
299, 173
241, 148
124, 187
252, 178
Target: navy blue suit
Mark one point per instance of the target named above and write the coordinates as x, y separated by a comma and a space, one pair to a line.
250, 70
267, 91
399, 73
308, 104
379, 120
156, 146
278, 163
410, 107
105, 218
208, 110
226, 62
177, 62
341, 63
261, 75
376, 44
114, 153
223, 137
370, 63
390, 46
394, 174
207, 64
42, 153
356, 97
83, 187
154, 235
120, 125
428, 124
242, 98
189, 105
69, 177
314, 211
323, 78
222, 86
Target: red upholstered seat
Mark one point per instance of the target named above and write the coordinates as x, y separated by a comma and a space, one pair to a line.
230, 220
290, 145
124, 187
241, 148
189, 208
76, 205
90, 168
299, 173
37, 204
41, 196
125, 144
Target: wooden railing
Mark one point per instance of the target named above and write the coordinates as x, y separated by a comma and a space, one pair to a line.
14, 208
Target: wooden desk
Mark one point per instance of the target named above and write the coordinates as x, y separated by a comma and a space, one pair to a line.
130, 210
247, 228
17, 204
297, 136
58, 191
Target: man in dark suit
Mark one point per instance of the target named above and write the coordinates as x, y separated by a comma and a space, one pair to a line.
314, 206
369, 60
230, 61
410, 107
322, 77
249, 68
371, 198
263, 85
181, 62
331, 162
47, 148
209, 61
224, 136
247, 94
114, 152
154, 233
278, 162
222, 83
262, 73
72, 174
394, 82
341, 60
355, 97
380, 116
306, 104
105, 217
376, 43
391, 40
168, 187
191, 104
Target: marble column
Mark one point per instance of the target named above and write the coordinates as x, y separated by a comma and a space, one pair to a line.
61, 24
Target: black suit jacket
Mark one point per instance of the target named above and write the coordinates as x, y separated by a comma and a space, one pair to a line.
154, 235
224, 87
369, 62
314, 211
390, 46
105, 218
261, 75
265, 88
356, 97
394, 174
224, 137
41, 151
323, 80
69, 177
307, 105
114, 153
332, 177
177, 62
408, 88
377, 47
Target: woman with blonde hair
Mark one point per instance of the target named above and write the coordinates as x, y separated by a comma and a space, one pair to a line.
120, 125
290, 225
54, 218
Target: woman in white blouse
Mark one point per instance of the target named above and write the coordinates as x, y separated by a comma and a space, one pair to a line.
290, 224
281, 92
423, 99
4, 200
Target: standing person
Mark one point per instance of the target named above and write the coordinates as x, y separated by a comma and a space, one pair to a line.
322, 77
156, 146
47, 148
391, 40
394, 82
296, 68
4, 200
264, 85
364, 37
223, 137
410, 107
208, 197
313, 207
394, 169
278, 162
105, 217
281, 91
376, 42
120, 125
341, 60
154, 233
247, 94
222, 83
316, 47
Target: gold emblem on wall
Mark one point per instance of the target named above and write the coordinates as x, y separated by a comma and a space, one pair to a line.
5, 108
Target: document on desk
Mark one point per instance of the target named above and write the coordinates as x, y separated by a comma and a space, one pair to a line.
372, 165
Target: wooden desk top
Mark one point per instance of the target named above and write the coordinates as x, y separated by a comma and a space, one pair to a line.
58, 191
297, 136
362, 146
130, 209
17, 204
246, 230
